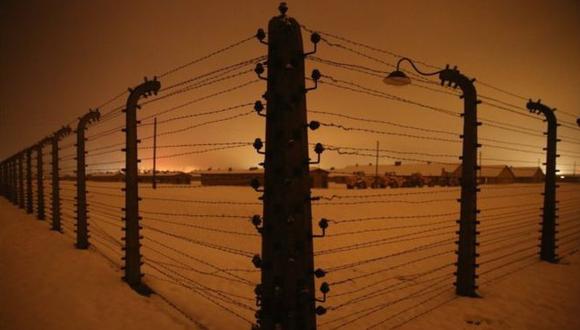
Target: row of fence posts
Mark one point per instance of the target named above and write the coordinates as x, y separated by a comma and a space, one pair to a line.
286, 295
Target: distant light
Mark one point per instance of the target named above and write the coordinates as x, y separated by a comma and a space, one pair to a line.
562, 177
397, 78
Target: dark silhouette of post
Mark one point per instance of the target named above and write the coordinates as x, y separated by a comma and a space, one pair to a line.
40, 212
4, 173
286, 294
377, 183
16, 181
14, 176
154, 174
9, 187
29, 207
8, 181
21, 180
467, 244
548, 238
2, 179
56, 224
81, 199
8, 174
132, 238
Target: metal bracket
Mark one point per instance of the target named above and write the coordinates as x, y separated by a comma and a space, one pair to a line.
315, 39
259, 70
258, 145
323, 224
315, 77
318, 149
324, 288
257, 221
261, 35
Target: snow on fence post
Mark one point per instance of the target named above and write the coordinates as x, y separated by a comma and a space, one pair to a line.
55, 217
132, 227
81, 198
548, 237
467, 244
21, 180
29, 208
286, 294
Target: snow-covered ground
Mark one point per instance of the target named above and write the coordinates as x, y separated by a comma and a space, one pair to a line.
47, 284
389, 255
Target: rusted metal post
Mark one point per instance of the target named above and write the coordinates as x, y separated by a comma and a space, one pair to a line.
21, 180
81, 198
287, 292
467, 243
548, 238
29, 207
56, 224
132, 238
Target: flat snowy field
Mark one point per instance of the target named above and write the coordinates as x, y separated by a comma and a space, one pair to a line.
388, 254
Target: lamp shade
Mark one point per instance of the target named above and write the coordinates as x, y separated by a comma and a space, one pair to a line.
397, 78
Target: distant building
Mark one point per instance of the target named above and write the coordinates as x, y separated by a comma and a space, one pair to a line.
166, 177
106, 177
528, 174
230, 177
233, 177
491, 174
434, 174
162, 177
319, 178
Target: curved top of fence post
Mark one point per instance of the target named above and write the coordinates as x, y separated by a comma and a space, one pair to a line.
147, 88
539, 108
62, 132
89, 118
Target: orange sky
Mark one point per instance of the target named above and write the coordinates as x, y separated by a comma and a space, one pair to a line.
59, 58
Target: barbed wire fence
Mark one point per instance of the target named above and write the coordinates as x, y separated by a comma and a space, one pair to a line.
383, 257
